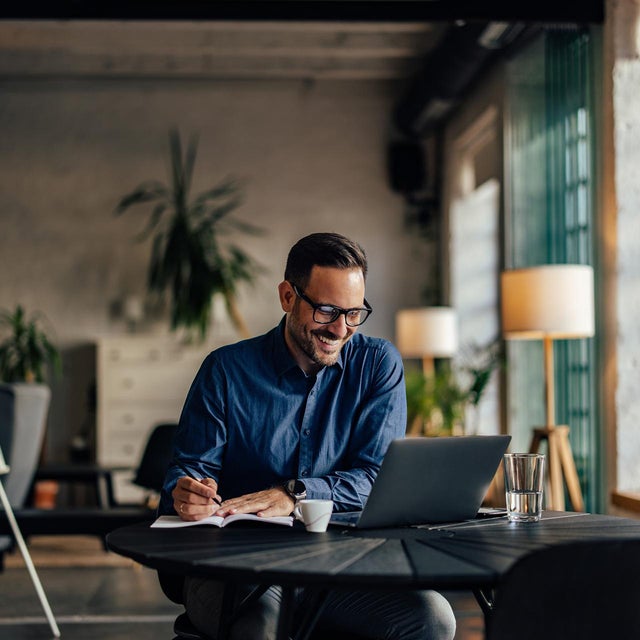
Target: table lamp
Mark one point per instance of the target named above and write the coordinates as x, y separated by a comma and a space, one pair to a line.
548, 303
427, 333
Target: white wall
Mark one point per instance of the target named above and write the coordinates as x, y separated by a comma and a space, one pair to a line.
312, 157
473, 210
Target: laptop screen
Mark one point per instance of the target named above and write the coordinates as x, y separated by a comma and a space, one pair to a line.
431, 480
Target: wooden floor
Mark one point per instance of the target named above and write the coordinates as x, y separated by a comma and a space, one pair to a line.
470, 621
99, 595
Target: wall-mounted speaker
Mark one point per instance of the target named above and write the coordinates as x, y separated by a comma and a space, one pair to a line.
406, 166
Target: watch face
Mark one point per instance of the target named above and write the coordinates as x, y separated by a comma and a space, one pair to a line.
296, 488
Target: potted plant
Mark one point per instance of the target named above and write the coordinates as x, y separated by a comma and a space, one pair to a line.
438, 404
26, 353
188, 258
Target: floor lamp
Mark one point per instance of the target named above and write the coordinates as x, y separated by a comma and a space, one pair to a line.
427, 333
551, 302
4, 500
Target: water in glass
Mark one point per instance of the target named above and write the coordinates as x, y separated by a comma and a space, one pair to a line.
524, 506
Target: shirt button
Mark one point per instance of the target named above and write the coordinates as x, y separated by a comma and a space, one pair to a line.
304, 473
306, 432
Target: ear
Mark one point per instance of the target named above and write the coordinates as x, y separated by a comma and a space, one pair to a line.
287, 296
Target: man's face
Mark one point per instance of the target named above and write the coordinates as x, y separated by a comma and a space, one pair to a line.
315, 345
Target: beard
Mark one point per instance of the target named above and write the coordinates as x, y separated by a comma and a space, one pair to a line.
307, 340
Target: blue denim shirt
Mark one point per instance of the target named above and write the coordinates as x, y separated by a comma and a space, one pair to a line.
253, 419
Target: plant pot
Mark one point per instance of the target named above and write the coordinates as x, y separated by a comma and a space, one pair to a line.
23, 418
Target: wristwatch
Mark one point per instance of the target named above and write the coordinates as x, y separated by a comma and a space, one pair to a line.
296, 489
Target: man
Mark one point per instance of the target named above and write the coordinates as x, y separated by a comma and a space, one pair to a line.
306, 410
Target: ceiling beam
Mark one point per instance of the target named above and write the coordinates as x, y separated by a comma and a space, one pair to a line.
545, 11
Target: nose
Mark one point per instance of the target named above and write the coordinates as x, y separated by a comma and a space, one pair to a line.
339, 326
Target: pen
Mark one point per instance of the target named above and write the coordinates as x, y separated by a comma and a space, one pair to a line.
193, 476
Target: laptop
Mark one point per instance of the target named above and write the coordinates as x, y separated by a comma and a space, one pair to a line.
429, 481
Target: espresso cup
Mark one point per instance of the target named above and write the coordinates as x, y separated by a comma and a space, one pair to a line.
315, 514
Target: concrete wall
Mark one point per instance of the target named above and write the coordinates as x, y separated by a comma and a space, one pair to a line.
623, 57
312, 157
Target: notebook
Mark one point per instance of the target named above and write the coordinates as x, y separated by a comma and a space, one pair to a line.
429, 481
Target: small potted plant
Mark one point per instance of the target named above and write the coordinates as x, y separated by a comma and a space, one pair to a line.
438, 404
188, 257
26, 353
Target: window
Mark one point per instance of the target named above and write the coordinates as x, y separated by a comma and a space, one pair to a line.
550, 219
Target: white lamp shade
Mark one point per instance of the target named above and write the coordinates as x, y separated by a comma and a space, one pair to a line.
427, 331
554, 301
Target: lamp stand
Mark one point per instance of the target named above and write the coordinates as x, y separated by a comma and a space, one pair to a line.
17, 534
559, 454
428, 367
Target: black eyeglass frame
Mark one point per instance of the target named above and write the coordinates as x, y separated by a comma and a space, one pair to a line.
336, 311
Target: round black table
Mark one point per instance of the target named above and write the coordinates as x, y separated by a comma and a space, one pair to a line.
473, 555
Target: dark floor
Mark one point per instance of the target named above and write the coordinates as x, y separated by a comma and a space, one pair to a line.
117, 600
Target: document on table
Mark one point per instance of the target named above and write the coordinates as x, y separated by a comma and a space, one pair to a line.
170, 522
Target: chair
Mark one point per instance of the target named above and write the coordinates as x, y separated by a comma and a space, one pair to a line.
184, 630
579, 591
156, 458
100, 521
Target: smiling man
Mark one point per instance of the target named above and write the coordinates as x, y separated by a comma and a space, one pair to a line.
306, 410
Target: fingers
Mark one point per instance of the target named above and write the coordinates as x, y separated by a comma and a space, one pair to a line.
270, 502
196, 491
193, 499
210, 482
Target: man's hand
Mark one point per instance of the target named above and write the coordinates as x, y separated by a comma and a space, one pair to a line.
267, 503
195, 499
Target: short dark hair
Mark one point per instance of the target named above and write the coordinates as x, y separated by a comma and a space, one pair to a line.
323, 250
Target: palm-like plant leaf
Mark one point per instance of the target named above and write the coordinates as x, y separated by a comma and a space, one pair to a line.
146, 192
187, 260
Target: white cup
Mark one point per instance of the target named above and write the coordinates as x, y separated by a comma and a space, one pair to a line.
314, 513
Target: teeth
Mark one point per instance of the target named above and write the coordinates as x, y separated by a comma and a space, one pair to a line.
326, 340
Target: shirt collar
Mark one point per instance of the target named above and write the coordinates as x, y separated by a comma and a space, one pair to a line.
282, 358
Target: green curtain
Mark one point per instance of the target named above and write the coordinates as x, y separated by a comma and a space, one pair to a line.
551, 194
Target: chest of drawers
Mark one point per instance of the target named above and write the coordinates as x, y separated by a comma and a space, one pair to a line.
142, 381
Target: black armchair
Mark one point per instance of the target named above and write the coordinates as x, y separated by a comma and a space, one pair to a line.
577, 591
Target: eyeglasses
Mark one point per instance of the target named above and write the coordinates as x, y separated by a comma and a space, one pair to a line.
327, 313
